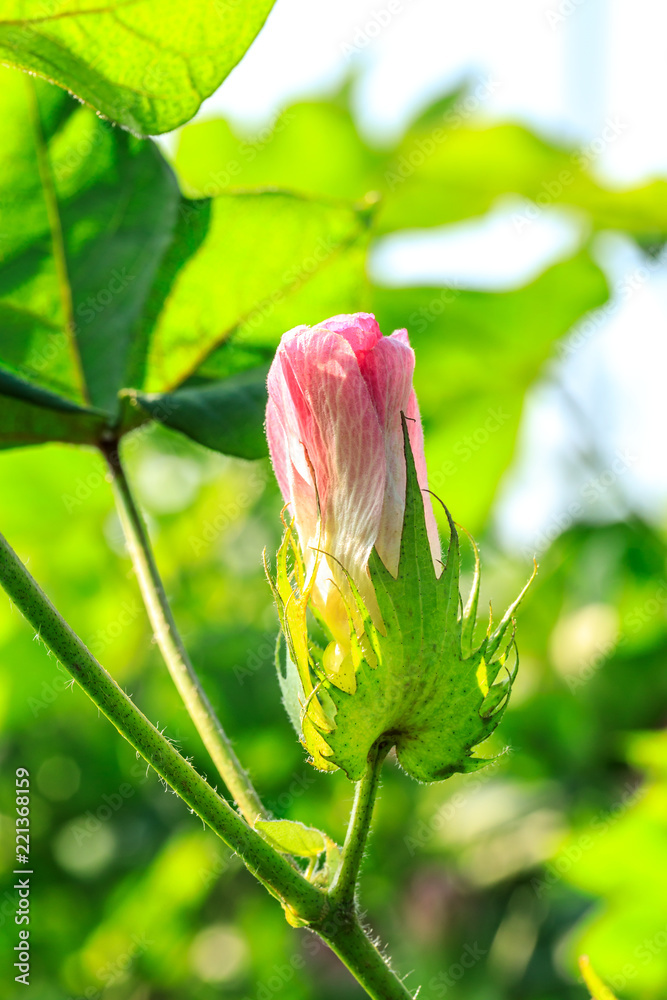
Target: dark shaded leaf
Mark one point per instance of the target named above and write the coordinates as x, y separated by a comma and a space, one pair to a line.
227, 416
111, 281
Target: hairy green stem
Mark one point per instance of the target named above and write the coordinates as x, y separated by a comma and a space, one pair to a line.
334, 919
347, 939
172, 648
342, 929
343, 889
271, 868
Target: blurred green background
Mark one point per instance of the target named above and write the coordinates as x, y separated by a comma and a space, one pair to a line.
487, 886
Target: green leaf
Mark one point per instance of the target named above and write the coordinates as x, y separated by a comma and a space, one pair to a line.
111, 282
29, 415
334, 860
247, 283
291, 837
226, 416
447, 168
90, 212
145, 64
442, 174
472, 408
311, 147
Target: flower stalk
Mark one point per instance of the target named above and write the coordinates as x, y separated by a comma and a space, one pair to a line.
344, 886
172, 647
307, 904
258, 856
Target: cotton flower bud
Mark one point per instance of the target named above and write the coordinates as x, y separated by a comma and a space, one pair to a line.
362, 553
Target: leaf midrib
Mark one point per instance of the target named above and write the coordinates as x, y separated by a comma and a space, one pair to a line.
227, 335
57, 240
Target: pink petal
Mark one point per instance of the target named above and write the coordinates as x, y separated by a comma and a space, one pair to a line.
341, 435
388, 370
278, 446
333, 422
360, 330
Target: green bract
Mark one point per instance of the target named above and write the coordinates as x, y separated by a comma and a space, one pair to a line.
419, 683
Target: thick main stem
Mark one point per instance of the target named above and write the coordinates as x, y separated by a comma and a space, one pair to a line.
338, 925
172, 648
271, 868
343, 889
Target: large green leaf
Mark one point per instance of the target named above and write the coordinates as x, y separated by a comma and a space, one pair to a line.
312, 147
445, 169
111, 281
244, 285
477, 354
450, 171
89, 212
145, 64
